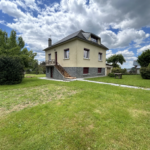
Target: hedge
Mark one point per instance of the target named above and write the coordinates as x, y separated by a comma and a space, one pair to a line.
145, 72
111, 75
119, 70
11, 70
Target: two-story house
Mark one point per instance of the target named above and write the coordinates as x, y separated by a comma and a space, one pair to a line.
78, 55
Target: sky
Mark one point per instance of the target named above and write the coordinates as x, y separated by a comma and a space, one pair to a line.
123, 25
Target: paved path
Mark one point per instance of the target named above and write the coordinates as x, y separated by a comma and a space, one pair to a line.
120, 85
82, 79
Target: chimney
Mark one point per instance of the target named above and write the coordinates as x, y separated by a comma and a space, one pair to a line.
49, 42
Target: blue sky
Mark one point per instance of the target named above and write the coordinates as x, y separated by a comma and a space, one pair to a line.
124, 26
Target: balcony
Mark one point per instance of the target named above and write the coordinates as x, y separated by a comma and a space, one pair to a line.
50, 62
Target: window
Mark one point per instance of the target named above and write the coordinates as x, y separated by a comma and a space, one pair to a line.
66, 53
86, 53
85, 70
100, 56
99, 70
49, 56
94, 39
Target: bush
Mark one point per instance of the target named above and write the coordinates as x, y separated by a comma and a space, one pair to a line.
119, 70
145, 72
11, 70
111, 75
144, 58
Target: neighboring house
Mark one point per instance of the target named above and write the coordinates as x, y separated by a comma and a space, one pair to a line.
108, 68
78, 55
137, 66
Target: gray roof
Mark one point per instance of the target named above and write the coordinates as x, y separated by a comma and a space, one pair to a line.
135, 63
79, 34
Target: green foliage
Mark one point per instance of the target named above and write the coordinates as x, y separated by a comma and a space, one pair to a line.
111, 75
145, 72
144, 58
148, 66
119, 70
11, 70
114, 59
13, 46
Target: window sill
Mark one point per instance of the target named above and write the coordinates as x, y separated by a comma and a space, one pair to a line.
99, 73
66, 58
100, 60
86, 58
86, 74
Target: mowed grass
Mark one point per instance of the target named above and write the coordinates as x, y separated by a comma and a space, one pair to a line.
82, 116
133, 80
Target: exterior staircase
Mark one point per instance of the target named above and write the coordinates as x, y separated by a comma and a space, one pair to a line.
64, 73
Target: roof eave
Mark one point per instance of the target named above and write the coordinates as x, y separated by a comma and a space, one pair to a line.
74, 39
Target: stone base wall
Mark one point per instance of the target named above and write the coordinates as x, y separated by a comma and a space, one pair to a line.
55, 72
74, 72
78, 72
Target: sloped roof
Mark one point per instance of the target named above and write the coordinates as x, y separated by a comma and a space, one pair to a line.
79, 34
135, 63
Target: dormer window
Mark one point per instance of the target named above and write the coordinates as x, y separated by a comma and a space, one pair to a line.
94, 39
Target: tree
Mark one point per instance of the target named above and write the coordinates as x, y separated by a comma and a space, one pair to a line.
13, 46
43, 65
114, 59
144, 58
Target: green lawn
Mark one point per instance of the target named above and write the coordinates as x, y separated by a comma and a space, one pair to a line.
43, 114
134, 80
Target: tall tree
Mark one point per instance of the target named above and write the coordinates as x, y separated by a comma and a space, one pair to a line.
13, 46
144, 58
115, 59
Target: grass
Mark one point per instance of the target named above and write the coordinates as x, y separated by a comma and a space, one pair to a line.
73, 115
133, 80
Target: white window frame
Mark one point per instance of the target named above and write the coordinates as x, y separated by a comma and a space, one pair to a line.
86, 53
66, 55
100, 56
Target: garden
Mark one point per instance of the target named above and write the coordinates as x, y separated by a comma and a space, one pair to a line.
43, 114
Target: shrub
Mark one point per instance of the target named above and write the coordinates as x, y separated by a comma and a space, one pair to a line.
144, 58
111, 75
11, 70
145, 72
119, 70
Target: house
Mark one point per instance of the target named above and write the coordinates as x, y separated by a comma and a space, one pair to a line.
108, 68
78, 55
137, 66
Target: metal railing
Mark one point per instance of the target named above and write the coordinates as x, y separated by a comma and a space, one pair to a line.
50, 62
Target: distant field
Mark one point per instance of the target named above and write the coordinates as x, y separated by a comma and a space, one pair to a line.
134, 80
43, 114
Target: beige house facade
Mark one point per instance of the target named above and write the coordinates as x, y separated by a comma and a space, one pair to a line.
79, 55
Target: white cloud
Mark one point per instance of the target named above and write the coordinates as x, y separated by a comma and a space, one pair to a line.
143, 49
128, 55
68, 16
123, 38
11, 9
109, 53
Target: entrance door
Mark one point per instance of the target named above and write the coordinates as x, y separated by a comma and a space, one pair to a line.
55, 58
51, 72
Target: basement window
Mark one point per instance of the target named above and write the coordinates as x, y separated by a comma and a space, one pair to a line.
85, 70
99, 70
